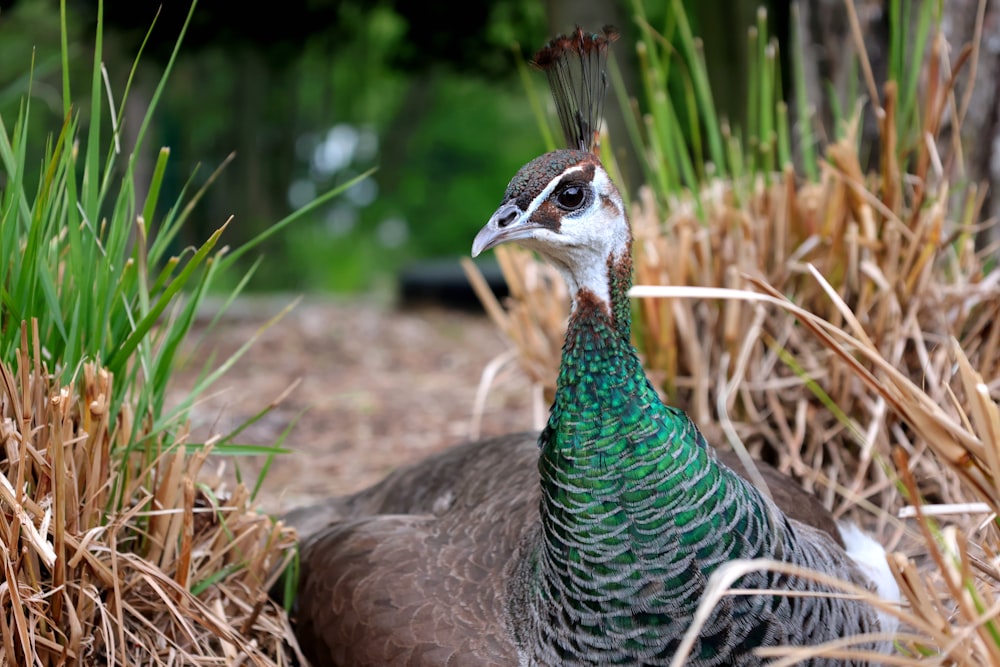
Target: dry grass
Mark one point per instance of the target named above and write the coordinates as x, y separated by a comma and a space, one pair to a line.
110, 560
856, 348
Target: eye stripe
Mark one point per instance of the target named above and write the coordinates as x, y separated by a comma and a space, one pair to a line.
536, 180
544, 195
609, 204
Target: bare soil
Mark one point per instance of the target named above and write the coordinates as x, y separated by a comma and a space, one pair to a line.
373, 388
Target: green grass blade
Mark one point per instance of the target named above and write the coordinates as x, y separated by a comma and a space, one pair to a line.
703, 91
153, 195
273, 451
803, 110
292, 217
91, 172
537, 107
185, 405
64, 52
119, 357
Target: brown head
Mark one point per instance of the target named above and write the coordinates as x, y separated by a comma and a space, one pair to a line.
563, 204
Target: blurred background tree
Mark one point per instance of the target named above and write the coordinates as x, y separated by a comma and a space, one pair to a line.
309, 93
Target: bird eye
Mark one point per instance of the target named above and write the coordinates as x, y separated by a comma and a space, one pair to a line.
571, 197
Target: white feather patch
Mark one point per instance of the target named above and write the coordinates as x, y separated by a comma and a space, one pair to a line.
870, 557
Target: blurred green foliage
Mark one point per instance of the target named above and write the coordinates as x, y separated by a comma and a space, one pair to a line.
445, 140
445, 132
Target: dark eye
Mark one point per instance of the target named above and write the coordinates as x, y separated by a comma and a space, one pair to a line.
571, 197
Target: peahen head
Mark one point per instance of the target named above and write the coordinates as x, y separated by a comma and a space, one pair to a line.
564, 206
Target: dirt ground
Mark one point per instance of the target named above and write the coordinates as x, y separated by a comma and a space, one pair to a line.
377, 387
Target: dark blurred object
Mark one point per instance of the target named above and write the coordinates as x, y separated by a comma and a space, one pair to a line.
454, 34
443, 283
278, 30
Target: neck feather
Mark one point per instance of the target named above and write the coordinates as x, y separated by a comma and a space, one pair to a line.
605, 289
600, 368
620, 281
631, 497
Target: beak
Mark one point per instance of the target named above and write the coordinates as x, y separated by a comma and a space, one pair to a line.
507, 224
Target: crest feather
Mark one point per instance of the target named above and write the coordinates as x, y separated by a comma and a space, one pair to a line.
576, 68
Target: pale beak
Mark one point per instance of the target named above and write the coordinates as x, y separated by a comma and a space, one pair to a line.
507, 224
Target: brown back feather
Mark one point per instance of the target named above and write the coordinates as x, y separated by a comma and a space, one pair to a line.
412, 570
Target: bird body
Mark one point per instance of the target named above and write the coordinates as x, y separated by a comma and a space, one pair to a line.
636, 515
594, 547
419, 569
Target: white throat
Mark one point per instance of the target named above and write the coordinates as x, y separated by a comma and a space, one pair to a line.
582, 269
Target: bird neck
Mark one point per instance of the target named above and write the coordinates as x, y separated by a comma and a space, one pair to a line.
600, 367
603, 398
605, 415
595, 292
626, 480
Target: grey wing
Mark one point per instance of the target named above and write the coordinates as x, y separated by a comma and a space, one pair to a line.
475, 471
396, 591
413, 570
430, 485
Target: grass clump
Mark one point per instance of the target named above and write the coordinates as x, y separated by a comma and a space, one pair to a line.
175, 572
837, 322
117, 545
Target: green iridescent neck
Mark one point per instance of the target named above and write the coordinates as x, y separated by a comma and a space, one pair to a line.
620, 282
602, 388
629, 487
599, 339
610, 441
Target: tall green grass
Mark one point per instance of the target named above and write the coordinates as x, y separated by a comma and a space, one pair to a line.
681, 139
106, 512
89, 253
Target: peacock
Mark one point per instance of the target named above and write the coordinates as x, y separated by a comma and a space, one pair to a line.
593, 542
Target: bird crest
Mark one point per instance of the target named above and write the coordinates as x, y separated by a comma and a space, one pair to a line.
575, 65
